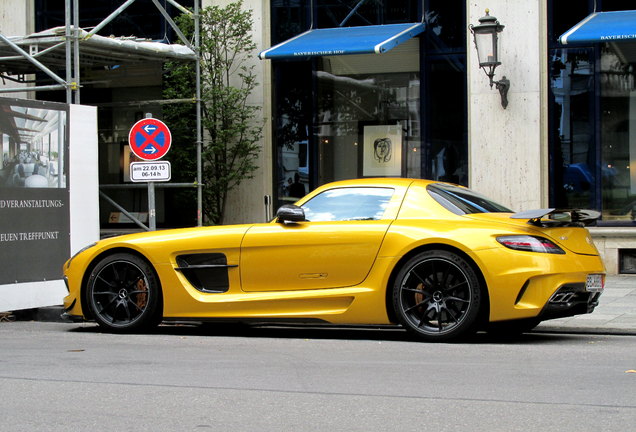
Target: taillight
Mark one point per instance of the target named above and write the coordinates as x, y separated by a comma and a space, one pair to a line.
530, 244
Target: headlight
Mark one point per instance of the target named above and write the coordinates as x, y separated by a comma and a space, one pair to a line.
530, 244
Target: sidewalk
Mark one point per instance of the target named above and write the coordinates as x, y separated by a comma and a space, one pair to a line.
615, 314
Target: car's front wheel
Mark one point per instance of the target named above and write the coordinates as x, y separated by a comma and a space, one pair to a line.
123, 293
437, 296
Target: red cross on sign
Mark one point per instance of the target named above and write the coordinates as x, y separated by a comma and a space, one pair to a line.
150, 139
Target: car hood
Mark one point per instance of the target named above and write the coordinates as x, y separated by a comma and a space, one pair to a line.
573, 238
161, 243
175, 234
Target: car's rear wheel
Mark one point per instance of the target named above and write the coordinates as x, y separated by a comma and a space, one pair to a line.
437, 296
123, 293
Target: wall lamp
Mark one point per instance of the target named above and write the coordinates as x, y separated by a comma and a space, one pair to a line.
487, 45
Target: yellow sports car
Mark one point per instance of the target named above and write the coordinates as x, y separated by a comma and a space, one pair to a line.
438, 259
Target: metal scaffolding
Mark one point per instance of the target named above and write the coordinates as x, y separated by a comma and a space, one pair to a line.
70, 47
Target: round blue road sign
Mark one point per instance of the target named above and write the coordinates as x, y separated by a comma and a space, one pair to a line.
150, 139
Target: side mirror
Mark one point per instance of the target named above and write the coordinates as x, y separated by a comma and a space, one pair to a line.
290, 213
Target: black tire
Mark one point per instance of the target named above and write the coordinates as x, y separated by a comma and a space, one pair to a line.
123, 294
437, 296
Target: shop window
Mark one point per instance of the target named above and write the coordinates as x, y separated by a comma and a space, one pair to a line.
445, 27
627, 261
368, 115
289, 18
573, 152
615, 5
293, 103
445, 98
142, 19
592, 118
564, 14
618, 131
332, 107
350, 13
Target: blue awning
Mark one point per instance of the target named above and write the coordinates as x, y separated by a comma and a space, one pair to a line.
603, 27
344, 40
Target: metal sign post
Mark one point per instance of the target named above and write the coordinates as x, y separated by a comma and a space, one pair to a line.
150, 140
152, 212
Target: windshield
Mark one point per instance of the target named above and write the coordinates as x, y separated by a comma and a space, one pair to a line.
463, 201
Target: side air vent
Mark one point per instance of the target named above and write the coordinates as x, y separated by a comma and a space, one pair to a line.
206, 272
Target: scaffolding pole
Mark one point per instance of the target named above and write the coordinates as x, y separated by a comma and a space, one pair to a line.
71, 83
197, 47
76, 53
68, 47
32, 60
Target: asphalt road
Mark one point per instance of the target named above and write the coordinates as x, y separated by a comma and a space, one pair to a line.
71, 377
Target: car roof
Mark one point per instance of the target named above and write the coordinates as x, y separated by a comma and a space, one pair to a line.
415, 204
381, 182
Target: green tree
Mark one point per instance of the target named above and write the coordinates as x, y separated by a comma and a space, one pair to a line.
232, 127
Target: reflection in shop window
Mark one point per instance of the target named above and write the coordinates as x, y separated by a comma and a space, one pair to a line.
292, 131
362, 98
446, 130
618, 131
577, 172
573, 154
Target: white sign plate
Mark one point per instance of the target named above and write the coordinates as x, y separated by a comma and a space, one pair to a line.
595, 283
150, 171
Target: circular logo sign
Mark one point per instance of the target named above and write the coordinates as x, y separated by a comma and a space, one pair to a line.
150, 139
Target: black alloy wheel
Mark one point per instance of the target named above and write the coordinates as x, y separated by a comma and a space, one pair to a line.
437, 296
123, 293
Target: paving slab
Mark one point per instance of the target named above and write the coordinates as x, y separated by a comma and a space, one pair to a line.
616, 312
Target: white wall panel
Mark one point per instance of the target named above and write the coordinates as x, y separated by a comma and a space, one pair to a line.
83, 211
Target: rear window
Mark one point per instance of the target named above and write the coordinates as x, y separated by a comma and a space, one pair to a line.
463, 201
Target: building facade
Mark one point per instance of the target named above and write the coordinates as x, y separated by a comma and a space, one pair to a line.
564, 140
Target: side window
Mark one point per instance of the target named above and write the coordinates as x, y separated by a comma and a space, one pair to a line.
346, 204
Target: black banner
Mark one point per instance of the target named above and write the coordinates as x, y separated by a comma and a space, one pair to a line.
34, 193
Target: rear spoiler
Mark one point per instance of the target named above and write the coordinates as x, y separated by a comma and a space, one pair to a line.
553, 217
